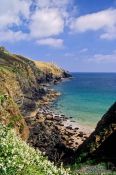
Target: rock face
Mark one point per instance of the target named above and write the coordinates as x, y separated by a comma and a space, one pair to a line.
101, 144
22, 82
22, 79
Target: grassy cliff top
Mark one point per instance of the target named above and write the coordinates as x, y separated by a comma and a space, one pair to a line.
49, 67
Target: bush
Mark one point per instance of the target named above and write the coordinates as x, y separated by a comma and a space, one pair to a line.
17, 158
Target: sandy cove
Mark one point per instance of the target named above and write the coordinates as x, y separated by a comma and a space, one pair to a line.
55, 134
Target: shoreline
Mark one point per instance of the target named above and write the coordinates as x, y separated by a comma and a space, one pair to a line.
54, 133
69, 120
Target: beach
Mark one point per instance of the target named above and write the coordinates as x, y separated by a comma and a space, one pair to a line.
52, 132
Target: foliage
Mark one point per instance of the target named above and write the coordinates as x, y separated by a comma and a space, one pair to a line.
17, 158
2, 98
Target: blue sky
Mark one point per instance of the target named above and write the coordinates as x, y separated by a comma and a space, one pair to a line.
78, 35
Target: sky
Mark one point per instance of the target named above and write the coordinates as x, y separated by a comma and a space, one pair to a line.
78, 35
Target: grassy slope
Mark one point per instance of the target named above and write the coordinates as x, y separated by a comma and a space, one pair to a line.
19, 87
17, 76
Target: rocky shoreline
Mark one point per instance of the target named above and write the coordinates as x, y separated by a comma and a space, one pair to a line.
55, 134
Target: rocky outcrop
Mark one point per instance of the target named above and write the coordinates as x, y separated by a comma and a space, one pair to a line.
101, 145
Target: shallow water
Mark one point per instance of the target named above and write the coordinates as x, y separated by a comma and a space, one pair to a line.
87, 96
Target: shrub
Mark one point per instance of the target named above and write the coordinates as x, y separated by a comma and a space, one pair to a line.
17, 158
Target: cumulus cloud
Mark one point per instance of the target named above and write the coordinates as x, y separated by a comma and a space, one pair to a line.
104, 20
57, 43
49, 18
10, 12
42, 19
46, 22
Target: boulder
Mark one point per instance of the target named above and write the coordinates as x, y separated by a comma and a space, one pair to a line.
69, 127
80, 134
49, 117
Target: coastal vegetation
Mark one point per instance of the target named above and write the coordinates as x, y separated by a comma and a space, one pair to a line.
17, 158
31, 135
20, 89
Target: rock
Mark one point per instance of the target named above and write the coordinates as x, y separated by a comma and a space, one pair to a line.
85, 137
101, 144
69, 127
69, 143
76, 128
39, 115
62, 115
61, 124
57, 118
80, 134
66, 74
76, 143
49, 117
69, 132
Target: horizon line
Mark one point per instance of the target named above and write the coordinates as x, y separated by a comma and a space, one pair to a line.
90, 72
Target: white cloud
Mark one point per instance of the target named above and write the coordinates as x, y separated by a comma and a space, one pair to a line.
10, 12
11, 36
58, 43
47, 20
46, 23
105, 20
103, 58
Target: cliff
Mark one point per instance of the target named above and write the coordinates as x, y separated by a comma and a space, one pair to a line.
101, 144
21, 86
23, 83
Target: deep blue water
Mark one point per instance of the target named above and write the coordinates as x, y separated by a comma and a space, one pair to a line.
87, 96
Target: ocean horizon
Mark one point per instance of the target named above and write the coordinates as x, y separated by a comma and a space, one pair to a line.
87, 96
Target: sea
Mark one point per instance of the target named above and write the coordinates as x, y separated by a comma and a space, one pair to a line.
86, 96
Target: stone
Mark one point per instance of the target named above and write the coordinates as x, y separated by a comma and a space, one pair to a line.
61, 124
57, 118
76, 128
69, 127
80, 134
49, 117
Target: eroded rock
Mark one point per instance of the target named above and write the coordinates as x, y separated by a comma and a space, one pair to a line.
101, 144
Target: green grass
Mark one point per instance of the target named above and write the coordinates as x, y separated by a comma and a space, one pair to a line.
13, 120
2, 99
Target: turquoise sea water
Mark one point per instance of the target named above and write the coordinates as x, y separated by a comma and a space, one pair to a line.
87, 96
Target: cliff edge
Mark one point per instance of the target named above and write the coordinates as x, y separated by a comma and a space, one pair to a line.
21, 86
